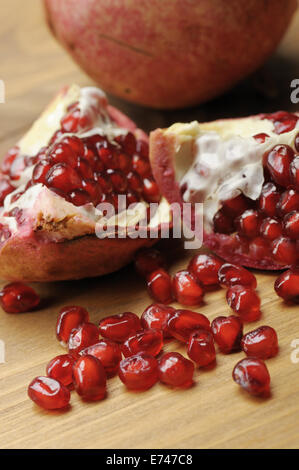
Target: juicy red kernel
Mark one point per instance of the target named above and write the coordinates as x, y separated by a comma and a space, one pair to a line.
151, 192
160, 286
205, 269
261, 138
63, 177
70, 317
63, 153
227, 332
138, 372
8, 159
248, 224
236, 206
259, 248
17, 167
252, 375
61, 368
288, 202
119, 327
294, 173
84, 168
201, 348
291, 225
148, 341
108, 352
287, 285
223, 223
48, 393
81, 337
261, 343
268, 199
185, 322
277, 162
118, 180
89, 378
135, 182
270, 229
75, 144
175, 370
79, 197
93, 189
283, 121
127, 142
5, 189
245, 302
156, 316
186, 289
141, 165
148, 260
40, 171
231, 275
17, 297
284, 251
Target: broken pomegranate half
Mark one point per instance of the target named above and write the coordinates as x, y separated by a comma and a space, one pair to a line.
75, 191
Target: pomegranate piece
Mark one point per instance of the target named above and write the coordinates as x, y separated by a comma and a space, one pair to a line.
284, 251
277, 162
151, 192
81, 337
287, 285
270, 229
268, 199
186, 289
261, 343
89, 378
48, 393
185, 322
148, 260
17, 297
70, 317
139, 372
291, 225
160, 286
227, 332
205, 269
108, 352
252, 375
248, 224
201, 348
148, 341
245, 302
175, 370
156, 316
231, 275
119, 327
294, 173
61, 368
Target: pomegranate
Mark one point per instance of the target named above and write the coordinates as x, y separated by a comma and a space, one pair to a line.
61, 369
119, 327
187, 290
139, 372
70, 317
108, 352
71, 195
261, 343
185, 322
252, 375
89, 378
245, 302
175, 370
227, 332
159, 286
49, 393
148, 341
131, 48
201, 348
287, 285
17, 297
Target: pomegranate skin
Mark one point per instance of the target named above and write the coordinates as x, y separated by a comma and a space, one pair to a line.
144, 41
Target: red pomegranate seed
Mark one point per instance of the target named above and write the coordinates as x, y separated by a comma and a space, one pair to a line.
8, 159
160, 286
70, 317
17, 297
175, 370
156, 316
75, 143
294, 173
201, 348
231, 275
151, 192
223, 223
81, 337
142, 148
63, 153
79, 197
284, 251
48, 393
90, 378
109, 157
227, 332
40, 171
268, 199
277, 162
205, 269
148, 260
127, 142
283, 121
119, 327
185, 322
108, 352
252, 375
118, 180
261, 138
245, 302
248, 224
93, 189
270, 229
259, 248
186, 289
148, 341
5, 189
84, 168
291, 225
288, 202
139, 372
141, 165
61, 368
135, 182
236, 206
261, 343
61, 176
287, 285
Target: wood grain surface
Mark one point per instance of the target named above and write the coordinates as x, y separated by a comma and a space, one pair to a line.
214, 413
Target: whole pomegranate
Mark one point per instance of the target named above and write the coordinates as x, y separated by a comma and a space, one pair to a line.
129, 47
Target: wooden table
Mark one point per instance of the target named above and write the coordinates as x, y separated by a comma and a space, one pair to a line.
212, 414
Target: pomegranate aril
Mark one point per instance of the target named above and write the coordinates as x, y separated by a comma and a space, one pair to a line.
175, 370
8, 159
70, 317
186, 289
156, 316
277, 162
205, 269
259, 248
81, 337
223, 223
245, 302
75, 143
17, 297
291, 225
148, 260
105, 183
142, 148
294, 173
236, 206
185, 322
61, 368
139, 372
201, 348
141, 165
149, 341
284, 251
89, 378
63, 177
48, 393
270, 229
108, 156
231, 275
248, 224
160, 286
227, 332
119, 327
268, 199
288, 202
124, 162
63, 153
108, 352
40, 171
93, 189
118, 180
135, 182
127, 142
84, 168
261, 343
261, 138
252, 375
151, 192
287, 285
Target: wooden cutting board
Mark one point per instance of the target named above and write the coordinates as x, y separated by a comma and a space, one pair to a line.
214, 413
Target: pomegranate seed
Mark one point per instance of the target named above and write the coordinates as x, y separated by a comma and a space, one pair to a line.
17, 297
236, 206
63, 153
89, 378
61, 176
156, 316
259, 248
268, 199
223, 223
151, 192
283, 121
148, 341
277, 162
252, 375
141, 165
187, 291
205, 269
81, 337
61, 368
148, 260
124, 162
288, 202
201, 348
118, 179
69, 318
108, 352
8, 159
138, 372
291, 225
5, 189
284, 251
79, 197
17, 167
287, 285
119, 327
261, 343
142, 148
40, 171
231, 275
75, 144
48, 393
160, 286
84, 168
294, 173
245, 302
261, 138
227, 332
184, 322
94, 191
175, 370
248, 224
270, 229
109, 157
135, 182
